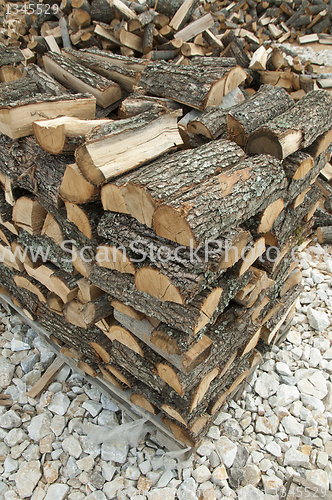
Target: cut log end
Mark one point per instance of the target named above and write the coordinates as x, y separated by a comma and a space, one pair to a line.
153, 282
170, 224
142, 402
263, 141
208, 307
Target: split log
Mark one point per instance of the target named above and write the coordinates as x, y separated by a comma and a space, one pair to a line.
29, 215
297, 128
45, 82
297, 186
10, 56
207, 85
87, 291
185, 361
105, 153
18, 90
266, 104
297, 165
54, 303
26, 299
136, 104
85, 218
17, 117
125, 231
72, 312
237, 194
96, 310
212, 123
322, 218
33, 286
63, 134
72, 74
64, 285
84, 191
324, 234
139, 193
28, 166
183, 13
191, 319
124, 70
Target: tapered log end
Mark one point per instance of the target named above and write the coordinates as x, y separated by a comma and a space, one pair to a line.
169, 224
87, 167
234, 78
153, 282
51, 138
142, 402
235, 131
113, 258
208, 307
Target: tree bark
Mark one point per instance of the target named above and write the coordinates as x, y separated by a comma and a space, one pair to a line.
147, 187
214, 206
45, 82
190, 319
207, 84
26, 164
136, 104
212, 123
81, 79
324, 234
297, 186
101, 11
96, 310
10, 56
17, 90
251, 114
295, 129
127, 75
27, 299
322, 218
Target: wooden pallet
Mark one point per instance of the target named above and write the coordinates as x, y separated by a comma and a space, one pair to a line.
121, 397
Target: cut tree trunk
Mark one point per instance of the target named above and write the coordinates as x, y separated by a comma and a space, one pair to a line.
324, 234
297, 165
45, 82
266, 104
139, 193
212, 123
322, 218
106, 155
29, 215
96, 310
207, 84
190, 319
85, 218
297, 128
75, 77
63, 134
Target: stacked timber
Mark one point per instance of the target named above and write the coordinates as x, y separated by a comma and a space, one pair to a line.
158, 251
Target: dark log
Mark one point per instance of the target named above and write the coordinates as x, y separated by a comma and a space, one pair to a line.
148, 38
10, 56
96, 310
27, 299
322, 218
18, 90
190, 319
295, 129
212, 123
251, 114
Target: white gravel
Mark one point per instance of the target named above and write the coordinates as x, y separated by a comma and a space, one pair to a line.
281, 426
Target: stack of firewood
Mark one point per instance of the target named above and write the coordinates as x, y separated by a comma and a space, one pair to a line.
158, 250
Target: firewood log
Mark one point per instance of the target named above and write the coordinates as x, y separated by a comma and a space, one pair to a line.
190, 319
125, 71
207, 85
266, 104
63, 134
73, 75
322, 218
96, 310
324, 234
44, 81
95, 160
29, 215
136, 104
140, 193
295, 129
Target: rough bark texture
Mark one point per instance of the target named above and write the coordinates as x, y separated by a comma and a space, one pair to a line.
101, 11
184, 318
45, 82
47, 250
295, 187
212, 123
174, 174
293, 162
124, 230
322, 218
27, 299
311, 115
136, 104
25, 163
214, 206
17, 90
96, 60
96, 310
324, 234
247, 116
189, 85
10, 56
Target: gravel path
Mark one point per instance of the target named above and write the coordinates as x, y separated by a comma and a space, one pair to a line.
280, 427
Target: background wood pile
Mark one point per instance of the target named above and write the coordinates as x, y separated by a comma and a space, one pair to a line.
114, 213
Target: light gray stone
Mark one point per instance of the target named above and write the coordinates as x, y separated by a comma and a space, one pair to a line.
57, 491
59, 404
93, 407
161, 494
201, 474
249, 492
287, 395
314, 384
27, 478
227, 450
266, 385
9, 420
187, 490
29, 362
252, 475
72, 446
295, 458
108, 471
319, 477
274, 449
111, 488
271, 484
292, 426
318, 320
267, 425
39, 427
6, 372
